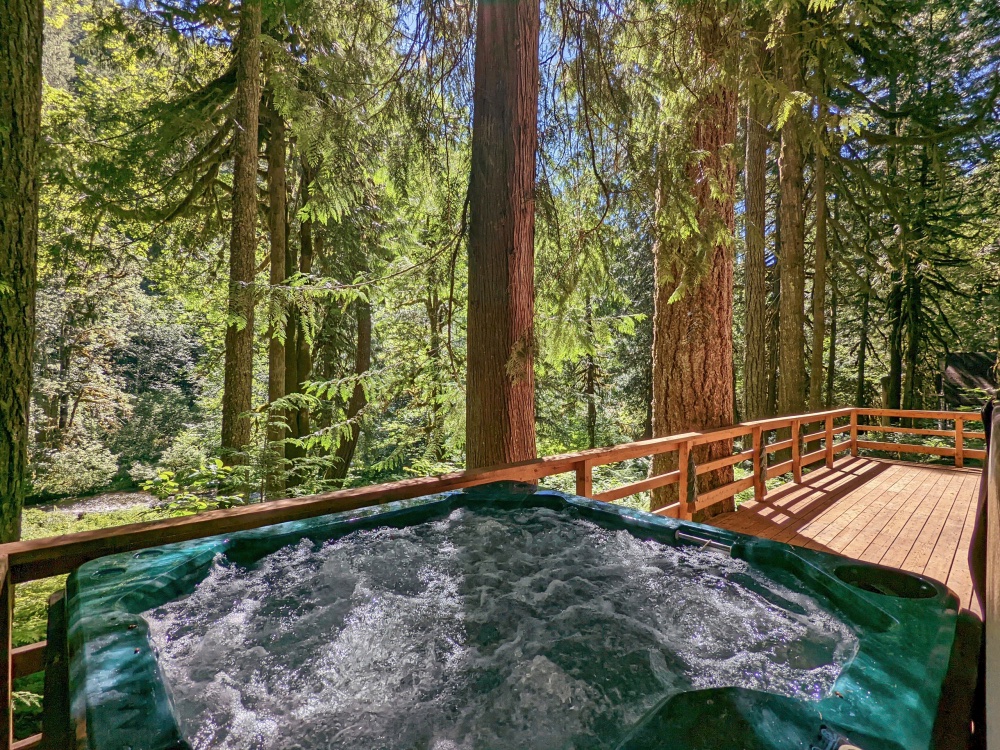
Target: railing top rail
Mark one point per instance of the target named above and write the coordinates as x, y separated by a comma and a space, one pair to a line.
774, 423
965, 416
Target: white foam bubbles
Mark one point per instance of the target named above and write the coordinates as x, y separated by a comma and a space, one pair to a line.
527, 629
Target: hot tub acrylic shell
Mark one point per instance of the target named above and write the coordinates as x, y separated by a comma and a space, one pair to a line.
886, 697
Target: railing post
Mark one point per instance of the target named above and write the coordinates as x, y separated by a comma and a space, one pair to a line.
829, 442
684, 481
854, 432
6, 666
959, 442
584, 479
796, 452
758, 465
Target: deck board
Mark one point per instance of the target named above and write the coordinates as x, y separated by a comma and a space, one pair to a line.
915, 517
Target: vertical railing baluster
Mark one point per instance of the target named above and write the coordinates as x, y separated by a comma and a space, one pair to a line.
829, 442
584, 479
759, 487
854, 432
684, 481
959, 442
6, 667
796, 452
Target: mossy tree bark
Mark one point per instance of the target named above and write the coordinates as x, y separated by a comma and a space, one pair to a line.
20, 139
500, 409
238, 379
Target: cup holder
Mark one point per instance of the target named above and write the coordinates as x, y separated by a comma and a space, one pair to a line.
141, 554
886, 582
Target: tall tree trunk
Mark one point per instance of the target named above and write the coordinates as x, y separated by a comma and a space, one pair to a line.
358, 401
20, 138
238, 380
500, 407
276, 218
860, 399
791, 352
755, 271
692, 335
819, 289
831, 362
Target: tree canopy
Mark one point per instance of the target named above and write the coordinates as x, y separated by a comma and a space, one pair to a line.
283, 234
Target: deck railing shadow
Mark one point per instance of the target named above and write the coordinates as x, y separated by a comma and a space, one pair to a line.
785, 511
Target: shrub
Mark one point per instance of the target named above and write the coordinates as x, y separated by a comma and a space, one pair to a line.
81, 465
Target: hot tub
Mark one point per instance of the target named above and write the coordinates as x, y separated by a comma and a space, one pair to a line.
503, 616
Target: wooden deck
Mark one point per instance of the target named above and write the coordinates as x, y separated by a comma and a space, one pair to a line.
905, 515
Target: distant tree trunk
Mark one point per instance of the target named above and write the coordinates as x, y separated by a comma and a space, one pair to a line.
894, 385
755, 271
819, 290
65, 352
647, 422
914, 303
298, 352
692, 336
311, 246
238, 380
791, 352
590, 381
20, 138
831, 362
774, 317
860, 399
276, 218
358, 401
500, 407
434, 308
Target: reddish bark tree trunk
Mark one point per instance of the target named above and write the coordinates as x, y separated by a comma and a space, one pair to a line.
238, 381
692, 336
20, 137
500, 409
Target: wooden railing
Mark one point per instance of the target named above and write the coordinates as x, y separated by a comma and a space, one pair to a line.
759, 442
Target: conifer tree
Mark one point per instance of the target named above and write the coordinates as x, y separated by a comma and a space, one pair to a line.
236, 399
500, 409
20, 142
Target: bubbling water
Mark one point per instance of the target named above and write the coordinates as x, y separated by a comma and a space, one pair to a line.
506, 629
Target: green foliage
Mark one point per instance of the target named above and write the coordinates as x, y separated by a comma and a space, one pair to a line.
194, 489
134, 224
81, 465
